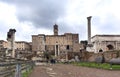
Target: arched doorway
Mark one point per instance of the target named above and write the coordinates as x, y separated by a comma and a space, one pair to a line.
110, 47
100, 50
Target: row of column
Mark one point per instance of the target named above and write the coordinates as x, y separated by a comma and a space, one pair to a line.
57, 52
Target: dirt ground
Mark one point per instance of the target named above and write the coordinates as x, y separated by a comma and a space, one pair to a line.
67, 70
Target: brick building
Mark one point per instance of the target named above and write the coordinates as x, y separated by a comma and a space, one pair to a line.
58, 44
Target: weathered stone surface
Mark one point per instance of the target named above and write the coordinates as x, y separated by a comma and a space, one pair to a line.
58, 44
115, 61
99, 59
105, 42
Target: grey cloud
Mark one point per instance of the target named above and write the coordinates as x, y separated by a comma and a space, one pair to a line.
109, 26
42, 13
45, 13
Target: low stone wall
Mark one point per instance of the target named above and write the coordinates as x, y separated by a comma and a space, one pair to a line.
111, 54
108, 55
90, 56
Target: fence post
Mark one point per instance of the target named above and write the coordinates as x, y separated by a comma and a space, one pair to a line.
32, 64
18, 70
27, 68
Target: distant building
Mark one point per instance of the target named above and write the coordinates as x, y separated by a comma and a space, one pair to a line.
22, 45
3, 44
101, 43
58, 44
105, 43
19, 45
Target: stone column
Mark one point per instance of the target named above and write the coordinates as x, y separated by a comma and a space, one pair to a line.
11, 41
116, 45
89, 29
95, 46
13, 45
58, 50
55, 51
66, 55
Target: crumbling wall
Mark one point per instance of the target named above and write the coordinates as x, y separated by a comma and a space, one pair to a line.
91, 56
108, 55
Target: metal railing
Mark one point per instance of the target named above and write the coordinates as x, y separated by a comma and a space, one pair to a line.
15, 68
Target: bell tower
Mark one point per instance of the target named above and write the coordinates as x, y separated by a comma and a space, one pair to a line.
55, 29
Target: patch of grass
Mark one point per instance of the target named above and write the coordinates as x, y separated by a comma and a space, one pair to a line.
97, 65
26, 74
116, 67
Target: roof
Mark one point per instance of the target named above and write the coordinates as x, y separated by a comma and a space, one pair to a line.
21, 42
106, 35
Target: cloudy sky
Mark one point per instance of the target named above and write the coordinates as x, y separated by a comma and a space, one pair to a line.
32, 17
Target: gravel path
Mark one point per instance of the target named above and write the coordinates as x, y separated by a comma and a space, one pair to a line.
66, 70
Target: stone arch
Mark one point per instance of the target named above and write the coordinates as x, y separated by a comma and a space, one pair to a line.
100, 50
110, 47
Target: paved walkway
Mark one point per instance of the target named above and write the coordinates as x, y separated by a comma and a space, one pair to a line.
66, 70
